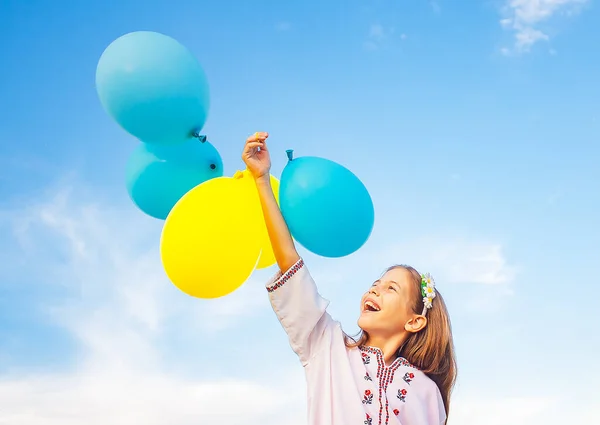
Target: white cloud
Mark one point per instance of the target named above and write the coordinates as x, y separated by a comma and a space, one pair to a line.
478, 271
149, 399
522, 410
378, 35
489, 411
456, 260
523, 17
377, 32
118, 306
110, 254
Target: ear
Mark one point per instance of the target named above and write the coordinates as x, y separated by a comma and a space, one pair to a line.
415, 324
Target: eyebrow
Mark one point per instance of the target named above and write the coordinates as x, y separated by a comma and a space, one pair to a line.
391, 281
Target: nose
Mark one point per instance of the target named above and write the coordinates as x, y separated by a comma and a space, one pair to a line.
374, 291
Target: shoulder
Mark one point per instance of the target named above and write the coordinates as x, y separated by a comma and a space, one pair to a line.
421, 396
422, 386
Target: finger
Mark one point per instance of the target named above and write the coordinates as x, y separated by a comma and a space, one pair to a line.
257, 136
262, 144
252, 148
254, 145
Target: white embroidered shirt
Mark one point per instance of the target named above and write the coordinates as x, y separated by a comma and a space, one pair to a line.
348, 386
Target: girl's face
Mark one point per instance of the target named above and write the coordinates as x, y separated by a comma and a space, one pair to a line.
386, 309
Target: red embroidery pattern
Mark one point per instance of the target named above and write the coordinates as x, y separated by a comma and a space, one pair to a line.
368, 397
385, 376
368, 377
369, 420
408, 376
287, 276
405, 362
387, 380
400, 360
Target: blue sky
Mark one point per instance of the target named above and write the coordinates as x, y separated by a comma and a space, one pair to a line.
474, 124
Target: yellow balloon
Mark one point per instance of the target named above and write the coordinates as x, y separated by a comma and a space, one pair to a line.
210, 244
267, 257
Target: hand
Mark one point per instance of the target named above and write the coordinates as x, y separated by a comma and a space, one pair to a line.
256, 155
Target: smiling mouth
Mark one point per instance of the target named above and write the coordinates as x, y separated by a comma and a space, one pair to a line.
370, 307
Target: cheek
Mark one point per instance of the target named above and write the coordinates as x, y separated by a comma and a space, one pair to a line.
399, 311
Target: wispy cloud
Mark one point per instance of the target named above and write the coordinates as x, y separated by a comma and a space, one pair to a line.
521, 410
378, 35
111, 254
513, 410
125, 398
119, 308
435, 6
471, 269
456, 260
524, 17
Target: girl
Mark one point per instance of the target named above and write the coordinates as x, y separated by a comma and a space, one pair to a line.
402, 368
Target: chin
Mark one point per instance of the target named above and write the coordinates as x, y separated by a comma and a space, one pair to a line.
365, 323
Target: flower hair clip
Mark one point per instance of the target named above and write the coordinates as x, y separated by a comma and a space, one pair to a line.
427, 291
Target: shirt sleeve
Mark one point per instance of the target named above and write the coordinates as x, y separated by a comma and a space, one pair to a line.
301, 310
436, 412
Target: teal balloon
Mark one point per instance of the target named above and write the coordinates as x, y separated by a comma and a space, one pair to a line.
327, 208
153, 87
159, 175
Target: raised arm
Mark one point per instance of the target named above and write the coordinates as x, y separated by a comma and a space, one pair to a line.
257, 159
293, 293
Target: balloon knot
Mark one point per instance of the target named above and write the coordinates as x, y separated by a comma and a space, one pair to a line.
238, 174
290, 154
199, 136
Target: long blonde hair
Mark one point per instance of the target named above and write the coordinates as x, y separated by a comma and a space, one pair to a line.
431, 349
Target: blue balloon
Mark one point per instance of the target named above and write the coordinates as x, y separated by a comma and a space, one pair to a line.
327, 208
153, 87
159, 175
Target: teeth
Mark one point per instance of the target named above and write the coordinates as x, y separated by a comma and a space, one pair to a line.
371, 306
